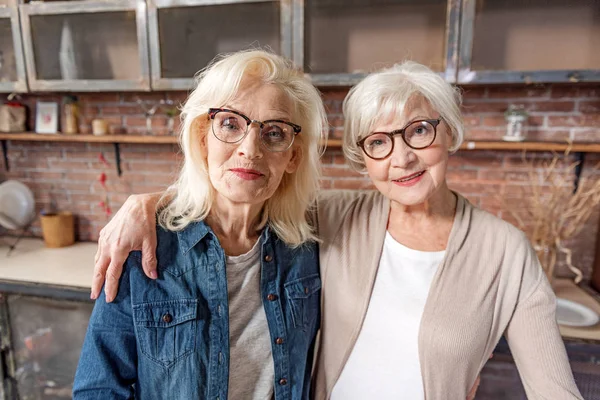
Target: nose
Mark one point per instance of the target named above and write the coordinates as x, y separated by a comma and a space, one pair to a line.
250, 147
402, 155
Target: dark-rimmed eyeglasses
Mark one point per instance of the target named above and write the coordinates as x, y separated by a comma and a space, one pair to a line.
231, 126
417, 135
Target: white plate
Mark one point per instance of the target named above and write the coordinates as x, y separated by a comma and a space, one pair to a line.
574, 314
16, 204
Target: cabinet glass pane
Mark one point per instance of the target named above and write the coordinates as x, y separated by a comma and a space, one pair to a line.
360, 35
536, 35
86, 46
191, 36
8, 64
47, 336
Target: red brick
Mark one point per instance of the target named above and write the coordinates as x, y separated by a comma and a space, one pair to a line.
343, 172
68, 165
151, 98
473, 92
472, 107
352, 184
472, 120
503, 175
518, 92
99, 98
589, 106
551, 106
325, 184
574, 120
177, 97
587, 135
334, 94
475, 160
157, 121
496, 120
484, 134
547, 135
461, 175
573, 91
122, 110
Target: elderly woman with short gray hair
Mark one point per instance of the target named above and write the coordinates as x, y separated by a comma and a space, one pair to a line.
418, 284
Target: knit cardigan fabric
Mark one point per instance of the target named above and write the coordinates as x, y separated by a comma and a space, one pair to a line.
489, 284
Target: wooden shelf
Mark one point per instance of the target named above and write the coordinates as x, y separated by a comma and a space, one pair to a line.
39, 137
531, 146
331, 143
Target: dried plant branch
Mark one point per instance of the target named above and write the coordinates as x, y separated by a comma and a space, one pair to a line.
553, 213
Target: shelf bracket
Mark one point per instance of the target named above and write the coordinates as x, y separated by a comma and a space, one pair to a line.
118, 159
580, 157
5, 155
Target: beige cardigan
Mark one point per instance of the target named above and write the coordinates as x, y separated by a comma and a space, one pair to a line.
490, 283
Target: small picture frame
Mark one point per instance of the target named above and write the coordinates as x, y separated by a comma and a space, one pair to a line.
46, 117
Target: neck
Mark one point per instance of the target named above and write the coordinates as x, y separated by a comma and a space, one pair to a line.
440, 206
235, 224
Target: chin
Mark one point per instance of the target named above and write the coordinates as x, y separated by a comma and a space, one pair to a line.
409, 196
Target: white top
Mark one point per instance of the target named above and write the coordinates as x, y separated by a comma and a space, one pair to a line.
384, 363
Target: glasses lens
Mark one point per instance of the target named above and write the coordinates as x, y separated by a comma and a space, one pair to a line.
229, 127
378, 145
419, 134
277, 136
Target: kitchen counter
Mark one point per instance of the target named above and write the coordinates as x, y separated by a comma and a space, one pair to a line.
34, 267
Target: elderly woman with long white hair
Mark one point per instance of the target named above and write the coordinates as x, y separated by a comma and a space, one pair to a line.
234, 307
418, 285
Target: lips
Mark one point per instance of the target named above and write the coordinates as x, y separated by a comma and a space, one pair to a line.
247, 174
409, 177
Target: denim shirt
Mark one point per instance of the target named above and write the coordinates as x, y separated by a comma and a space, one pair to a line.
169, 338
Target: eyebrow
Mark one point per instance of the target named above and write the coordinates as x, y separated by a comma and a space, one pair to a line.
282, 118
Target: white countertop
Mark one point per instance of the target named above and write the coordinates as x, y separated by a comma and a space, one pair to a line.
30, 261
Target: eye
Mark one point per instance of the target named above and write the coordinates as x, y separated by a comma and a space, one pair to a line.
230, 123
274, 133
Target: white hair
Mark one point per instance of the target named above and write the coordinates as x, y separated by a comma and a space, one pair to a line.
191, 197
384, 94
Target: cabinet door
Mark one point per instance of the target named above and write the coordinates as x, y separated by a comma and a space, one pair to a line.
185, 35
12, 64
85, 45
530, 41
47, 336
346, 39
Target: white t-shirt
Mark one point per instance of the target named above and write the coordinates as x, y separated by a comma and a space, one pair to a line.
384, 363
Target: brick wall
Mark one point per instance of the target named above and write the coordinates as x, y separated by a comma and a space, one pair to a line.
67, 173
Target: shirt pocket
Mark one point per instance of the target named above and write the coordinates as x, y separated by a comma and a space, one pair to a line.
303, 300
166, 330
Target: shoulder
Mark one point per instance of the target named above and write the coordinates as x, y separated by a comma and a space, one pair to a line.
340, 202
485, 225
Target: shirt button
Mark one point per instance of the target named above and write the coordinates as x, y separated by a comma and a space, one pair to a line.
279, 340
268, 258
283, 381
272, 297
167, 318
305, 290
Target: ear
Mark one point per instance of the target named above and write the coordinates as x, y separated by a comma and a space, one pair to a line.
294, 162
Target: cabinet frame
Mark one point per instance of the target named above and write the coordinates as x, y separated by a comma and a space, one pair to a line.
83, 7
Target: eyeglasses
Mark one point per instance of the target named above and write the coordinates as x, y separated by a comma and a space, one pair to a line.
417, 135
231, 127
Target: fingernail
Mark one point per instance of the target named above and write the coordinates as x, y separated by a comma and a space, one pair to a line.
92, 296
153, 274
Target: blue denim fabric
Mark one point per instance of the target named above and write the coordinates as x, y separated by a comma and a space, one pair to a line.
169, 338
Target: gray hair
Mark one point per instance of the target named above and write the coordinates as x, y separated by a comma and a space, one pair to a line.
385, 94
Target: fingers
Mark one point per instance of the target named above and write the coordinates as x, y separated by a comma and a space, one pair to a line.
473, 391
113, 273
149, 255
100, 265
